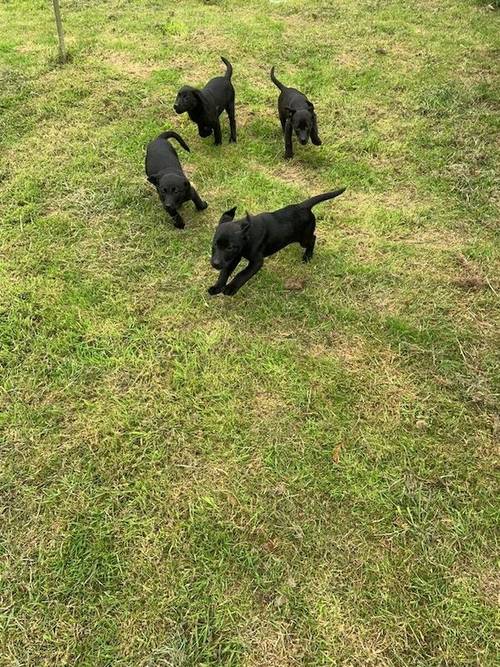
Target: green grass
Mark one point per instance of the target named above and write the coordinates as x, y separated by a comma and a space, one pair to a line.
288, 477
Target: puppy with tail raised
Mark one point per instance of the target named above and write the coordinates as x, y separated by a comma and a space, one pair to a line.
258, 236
297, 116
164, 171
205, 105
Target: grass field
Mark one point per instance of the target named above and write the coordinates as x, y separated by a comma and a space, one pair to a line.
288, 477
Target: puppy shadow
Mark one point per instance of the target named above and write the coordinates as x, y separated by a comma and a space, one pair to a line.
312, 157
266, 133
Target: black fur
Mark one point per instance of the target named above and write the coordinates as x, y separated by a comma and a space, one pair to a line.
297, 115
165, 172
206, 105
259, 236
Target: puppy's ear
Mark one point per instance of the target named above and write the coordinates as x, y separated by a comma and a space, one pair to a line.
198, 95
227, 216
245, 225
154, 180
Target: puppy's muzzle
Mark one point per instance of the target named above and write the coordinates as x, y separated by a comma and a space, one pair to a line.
205, 132
217, 265
177, 108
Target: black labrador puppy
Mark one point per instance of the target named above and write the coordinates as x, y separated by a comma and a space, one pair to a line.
164, 171
206, 105
259, 236
297, 115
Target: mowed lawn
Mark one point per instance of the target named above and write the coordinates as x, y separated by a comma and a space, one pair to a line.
301, 475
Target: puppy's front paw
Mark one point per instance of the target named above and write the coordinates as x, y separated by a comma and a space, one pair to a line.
288, 156
203, 205
231, 289
215, 289
232, 140
179, 224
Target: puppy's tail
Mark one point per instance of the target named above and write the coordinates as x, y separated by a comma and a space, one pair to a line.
170, 134
275, 80
309, 203
229, 68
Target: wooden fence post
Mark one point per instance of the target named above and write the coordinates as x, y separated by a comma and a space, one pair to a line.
63, 56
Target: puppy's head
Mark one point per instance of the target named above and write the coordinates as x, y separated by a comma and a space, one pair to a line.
204, 131
173, 189
229, 240
187, 99
302, 123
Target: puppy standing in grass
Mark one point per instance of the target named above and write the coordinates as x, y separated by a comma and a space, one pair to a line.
259, 236
165, 172
206, 105
297, 115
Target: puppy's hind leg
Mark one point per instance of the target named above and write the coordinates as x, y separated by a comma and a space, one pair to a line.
309, 248
288, 139
232, 121
200, 204
309, 241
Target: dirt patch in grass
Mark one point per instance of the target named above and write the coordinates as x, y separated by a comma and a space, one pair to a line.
352, 350
122, 63
490, 587
267, 405
473, 278
271, 644
297, 174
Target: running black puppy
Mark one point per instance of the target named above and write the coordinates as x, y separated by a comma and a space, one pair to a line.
296, 115
259, 236
206, 105
164, 171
